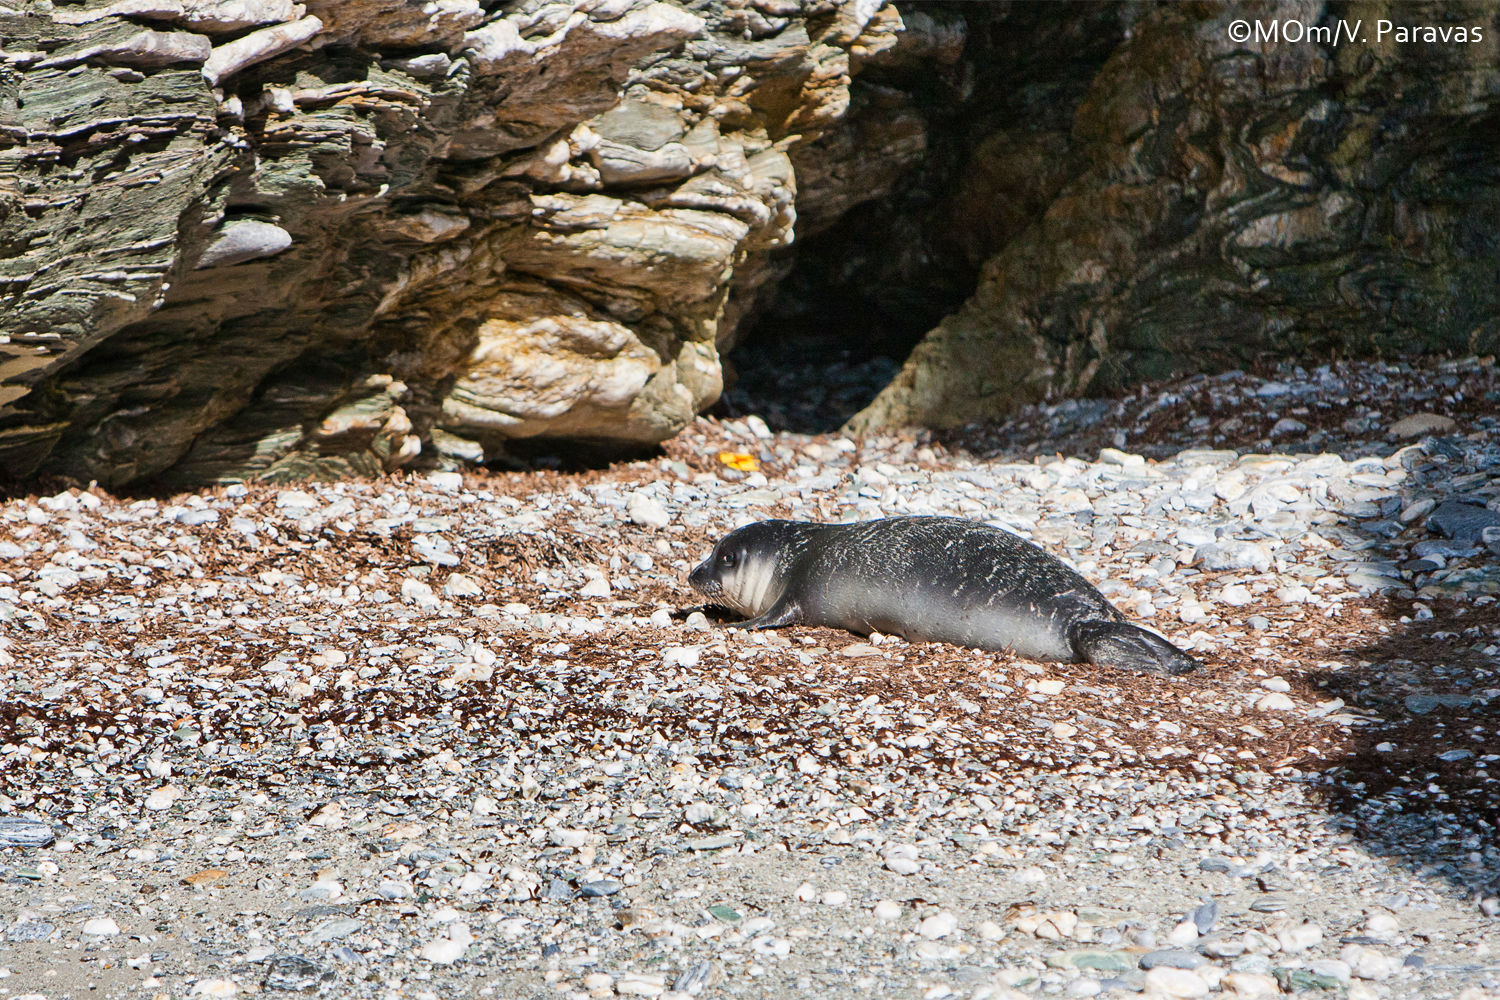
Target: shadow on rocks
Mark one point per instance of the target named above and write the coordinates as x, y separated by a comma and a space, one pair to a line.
1421, 783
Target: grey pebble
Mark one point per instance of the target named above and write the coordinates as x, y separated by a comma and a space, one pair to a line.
1231, 947
1205, 915
21, 831
696, 978
1270, 904
295, 973
1462, 521
30, 930
331, 930
1421, 704
1173, 958
599, 888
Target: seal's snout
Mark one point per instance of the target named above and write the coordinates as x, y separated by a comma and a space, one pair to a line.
702, 579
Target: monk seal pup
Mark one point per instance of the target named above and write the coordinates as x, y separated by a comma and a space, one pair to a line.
930, 579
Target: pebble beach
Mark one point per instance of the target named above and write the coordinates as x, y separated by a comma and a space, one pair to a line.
467, 734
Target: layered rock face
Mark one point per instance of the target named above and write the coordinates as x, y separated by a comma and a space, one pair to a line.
265, 239
1205, 202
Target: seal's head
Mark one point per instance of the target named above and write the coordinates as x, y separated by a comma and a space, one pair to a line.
744, 573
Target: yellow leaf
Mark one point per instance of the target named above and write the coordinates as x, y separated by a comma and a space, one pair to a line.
739, 461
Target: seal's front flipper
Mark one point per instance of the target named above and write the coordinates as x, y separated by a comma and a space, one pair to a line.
777, 615
1121, 644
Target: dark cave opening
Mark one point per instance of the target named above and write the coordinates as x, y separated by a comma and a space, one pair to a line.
836, 331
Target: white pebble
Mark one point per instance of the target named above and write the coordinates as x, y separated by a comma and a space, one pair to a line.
1367, 963
459, 585
681, 656
643, 509
1235, 595
903, 866
887, 910
641, 984
447, 950
1300, 937
939, 925
1178, 984
1183, 934
101, 927
162, 798
1250, 986
418, 593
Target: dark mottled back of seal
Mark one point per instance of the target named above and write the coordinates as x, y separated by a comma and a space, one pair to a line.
927, 578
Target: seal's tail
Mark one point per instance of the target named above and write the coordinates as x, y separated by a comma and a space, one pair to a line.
1121, 644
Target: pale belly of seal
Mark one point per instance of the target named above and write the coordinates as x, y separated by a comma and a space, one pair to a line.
936, 579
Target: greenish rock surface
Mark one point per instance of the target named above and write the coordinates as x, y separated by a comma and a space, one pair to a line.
1194, 203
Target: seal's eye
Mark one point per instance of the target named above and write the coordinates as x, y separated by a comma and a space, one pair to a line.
729, 558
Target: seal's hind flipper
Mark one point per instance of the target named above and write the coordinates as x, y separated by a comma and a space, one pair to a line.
1121, 644
777, 615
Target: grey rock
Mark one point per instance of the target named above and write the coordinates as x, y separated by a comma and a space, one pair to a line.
1233, 555
331, 930
1421, 704
243, 241
1174, 958
294, 973
599, 888
201, 515
697, 977
1204, 916
1491, 538
1462, 521
258, 46
29, 930
1444, 550
23, 831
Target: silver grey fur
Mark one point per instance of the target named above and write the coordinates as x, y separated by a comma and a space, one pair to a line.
940, 579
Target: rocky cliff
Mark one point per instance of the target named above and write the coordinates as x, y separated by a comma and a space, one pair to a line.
257, 238
1197, 202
